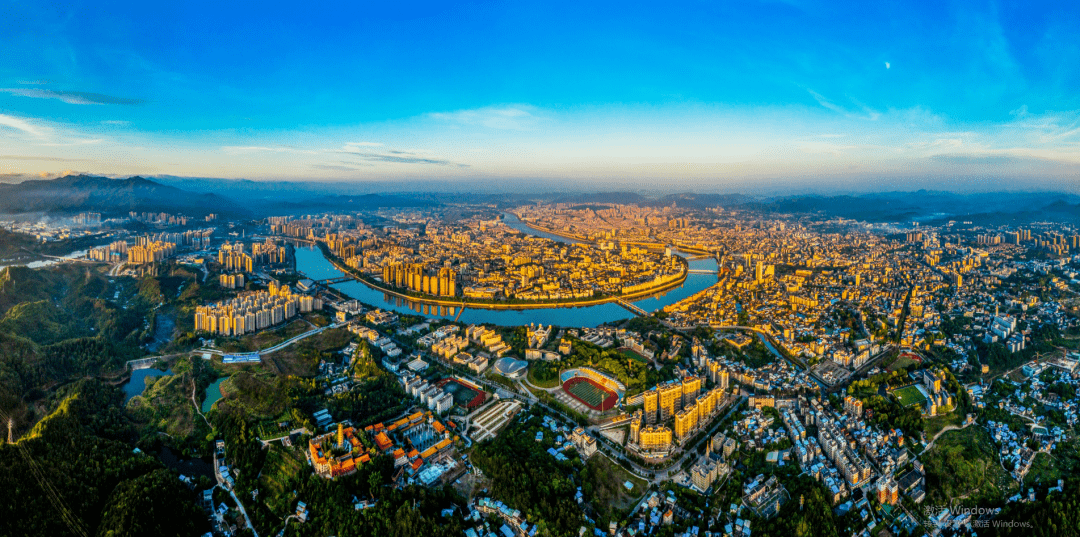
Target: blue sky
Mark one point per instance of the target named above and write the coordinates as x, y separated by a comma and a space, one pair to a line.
803, 95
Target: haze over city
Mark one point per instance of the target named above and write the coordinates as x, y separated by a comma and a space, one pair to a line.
750, 96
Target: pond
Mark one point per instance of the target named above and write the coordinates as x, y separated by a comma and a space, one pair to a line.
213, 393
191, 467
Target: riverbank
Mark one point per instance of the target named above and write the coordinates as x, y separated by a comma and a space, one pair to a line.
497, 306
652, 246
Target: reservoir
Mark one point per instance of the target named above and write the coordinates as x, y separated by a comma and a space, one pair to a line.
137, 383
311, 262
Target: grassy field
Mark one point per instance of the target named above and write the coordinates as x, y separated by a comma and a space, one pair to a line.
266, 338
933, 425
963, 466
255, 396
602, 485
631, 354
267, 429
301, 359
899, 362
909, 395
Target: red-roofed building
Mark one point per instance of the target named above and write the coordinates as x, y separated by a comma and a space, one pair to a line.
322, 449
383, 442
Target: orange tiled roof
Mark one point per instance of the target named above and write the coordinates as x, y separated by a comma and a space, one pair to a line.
383, 441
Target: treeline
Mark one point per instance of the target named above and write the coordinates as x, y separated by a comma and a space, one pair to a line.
56, 325
637, 376
1045, 339
526, 477
812, 518
76, 472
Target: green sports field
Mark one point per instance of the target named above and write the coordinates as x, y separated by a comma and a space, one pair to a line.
909, 395
633, 355
593, 395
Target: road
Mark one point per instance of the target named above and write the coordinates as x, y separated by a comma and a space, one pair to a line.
609, 448
277, 347
301, 430
944, 430
239, 505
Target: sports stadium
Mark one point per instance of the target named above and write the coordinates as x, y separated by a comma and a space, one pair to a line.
592, 388
466, 394
511, 368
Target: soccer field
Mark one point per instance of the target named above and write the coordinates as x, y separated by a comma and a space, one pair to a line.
633, 355
591, 394
909, 395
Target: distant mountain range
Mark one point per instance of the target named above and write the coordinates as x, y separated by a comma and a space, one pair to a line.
196, 197
932, 207
80, 193
74, 194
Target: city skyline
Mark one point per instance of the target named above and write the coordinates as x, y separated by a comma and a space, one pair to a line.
694, 97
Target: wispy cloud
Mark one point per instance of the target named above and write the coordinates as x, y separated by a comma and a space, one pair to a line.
43, 158
253, 149
397, 156
71, 97
75, 141
344, 167
22, 125
511, 117
867, 112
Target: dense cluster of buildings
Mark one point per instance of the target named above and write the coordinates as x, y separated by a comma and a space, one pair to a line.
254, 310
150, 252
686, 405
414, 277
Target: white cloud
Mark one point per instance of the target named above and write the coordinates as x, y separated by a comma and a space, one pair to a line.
21, 125
253, 149
887, 65
871, 114
510, 117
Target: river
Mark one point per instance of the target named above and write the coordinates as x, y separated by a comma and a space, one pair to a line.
311, 262
164, 326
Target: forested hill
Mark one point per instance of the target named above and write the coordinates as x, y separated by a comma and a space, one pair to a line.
112, 197
76, 473
57, 325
